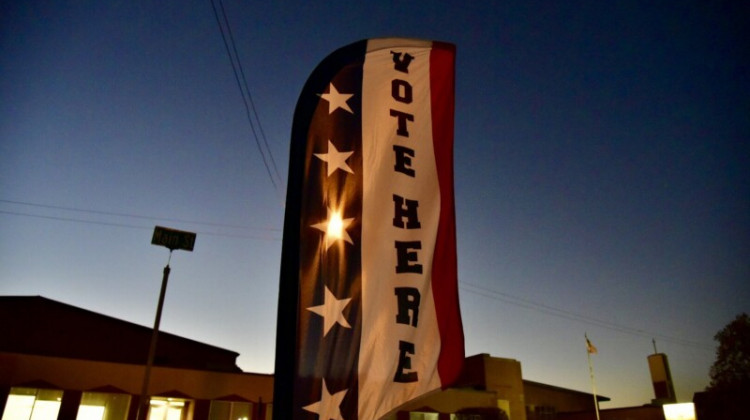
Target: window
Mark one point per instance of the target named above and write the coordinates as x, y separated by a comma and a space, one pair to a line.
468, 416
32, 404
103, 406
269, 411
504, 406
414, 415
167, 409
545, 412
229, 410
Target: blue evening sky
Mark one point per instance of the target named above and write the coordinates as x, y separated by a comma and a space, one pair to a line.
601, 155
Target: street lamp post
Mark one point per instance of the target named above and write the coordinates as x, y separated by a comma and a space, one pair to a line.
172, 239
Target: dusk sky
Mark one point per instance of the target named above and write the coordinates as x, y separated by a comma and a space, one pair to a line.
602, 170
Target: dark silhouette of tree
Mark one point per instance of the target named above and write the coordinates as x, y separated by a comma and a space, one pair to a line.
731, 370
726, 396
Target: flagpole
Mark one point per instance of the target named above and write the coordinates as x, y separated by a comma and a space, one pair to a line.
591, 372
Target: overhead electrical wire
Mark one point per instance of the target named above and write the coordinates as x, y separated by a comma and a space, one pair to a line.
123, 225
270, 233
573, 316
70, 219
247, 90
247, 100
465, 286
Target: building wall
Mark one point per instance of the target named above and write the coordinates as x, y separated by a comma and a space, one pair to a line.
563, 400
487, 383
50, 345
504, 377
499, 375
450, 401
75, 376
661, 378
646, 412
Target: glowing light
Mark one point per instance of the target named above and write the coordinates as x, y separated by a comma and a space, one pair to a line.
90, 412
335, 225
334, 228
681, 411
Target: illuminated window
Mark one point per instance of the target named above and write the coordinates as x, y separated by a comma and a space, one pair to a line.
103, 406
230, 410
90, 412
269, 411
682, 411
423, 416
166, 409
32, 404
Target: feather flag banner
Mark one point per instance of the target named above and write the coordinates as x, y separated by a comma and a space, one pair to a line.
368, 314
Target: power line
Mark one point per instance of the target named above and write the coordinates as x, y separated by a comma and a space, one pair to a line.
128, 226
247, 90
134, 216
70, 219
467, 287
573, 316
236, 64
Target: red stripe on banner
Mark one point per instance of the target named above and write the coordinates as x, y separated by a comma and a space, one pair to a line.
445, 267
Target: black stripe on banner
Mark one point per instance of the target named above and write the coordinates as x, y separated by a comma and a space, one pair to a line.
305, 356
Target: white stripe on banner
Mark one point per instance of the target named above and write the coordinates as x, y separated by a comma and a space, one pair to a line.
399, 171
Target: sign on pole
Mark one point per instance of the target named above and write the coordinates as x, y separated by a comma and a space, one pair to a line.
173, 238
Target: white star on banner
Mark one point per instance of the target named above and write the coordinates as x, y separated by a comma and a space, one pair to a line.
332, 311
334, 228
335, 159
329, 405
336, 100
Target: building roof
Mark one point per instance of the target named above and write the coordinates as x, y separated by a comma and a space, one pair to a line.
527, 382
41, 326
